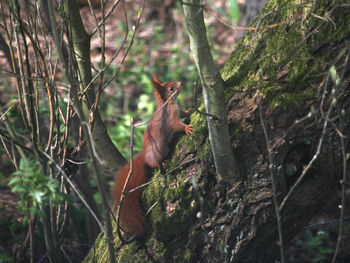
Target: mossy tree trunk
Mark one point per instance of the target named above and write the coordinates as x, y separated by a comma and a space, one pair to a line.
278, 77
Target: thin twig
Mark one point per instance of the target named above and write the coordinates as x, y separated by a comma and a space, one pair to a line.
343, 201
325, 223
158, 110
307, 168
130, 45
123, 194
163, 175
29, 101
12, 136
343, 182
11, 105
107, 16
274, 186
50, 95
249, 28
101, 189
102, 34
20, 79
65, 254
68, 119
115, 54
76, 191
8, 153
276, 11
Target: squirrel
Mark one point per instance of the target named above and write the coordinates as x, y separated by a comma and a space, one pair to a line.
155, 149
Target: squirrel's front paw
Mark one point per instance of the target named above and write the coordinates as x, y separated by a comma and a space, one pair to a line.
188, 129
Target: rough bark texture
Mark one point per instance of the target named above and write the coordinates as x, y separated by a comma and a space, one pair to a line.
194, 219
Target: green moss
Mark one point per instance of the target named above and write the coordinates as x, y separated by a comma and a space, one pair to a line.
175, 205
98, 250
332, 28
158, 250
132, 253
288, 101
284, 62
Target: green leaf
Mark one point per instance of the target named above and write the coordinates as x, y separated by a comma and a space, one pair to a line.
52, 185
326, 250
37, 196
145, 103
139, 12
17, 173
233, 10
314, 242
15, 180
18, 189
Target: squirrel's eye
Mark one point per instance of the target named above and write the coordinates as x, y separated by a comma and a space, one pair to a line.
171, 88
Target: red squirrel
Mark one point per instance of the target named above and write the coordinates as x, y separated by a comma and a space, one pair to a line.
155, 149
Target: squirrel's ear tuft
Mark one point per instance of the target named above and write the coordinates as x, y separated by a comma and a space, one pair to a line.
156, 80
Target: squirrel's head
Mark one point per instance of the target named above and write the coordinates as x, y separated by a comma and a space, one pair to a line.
166, 89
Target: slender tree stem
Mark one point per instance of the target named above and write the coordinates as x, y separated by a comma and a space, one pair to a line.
274, 187
213, 93
102, 191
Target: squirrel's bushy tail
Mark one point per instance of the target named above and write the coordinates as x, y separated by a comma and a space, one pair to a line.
131, 215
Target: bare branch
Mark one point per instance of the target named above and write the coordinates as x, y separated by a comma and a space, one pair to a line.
77, 192
274, 184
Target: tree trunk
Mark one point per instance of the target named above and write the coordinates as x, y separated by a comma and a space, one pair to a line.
276, 75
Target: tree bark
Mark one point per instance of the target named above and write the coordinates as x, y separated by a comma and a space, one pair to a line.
282, 70
213, 93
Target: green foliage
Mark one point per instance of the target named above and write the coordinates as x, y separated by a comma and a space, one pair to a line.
286, 98
5, 257
233, 10
121, 134
33, 187
232, 14
316, 249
